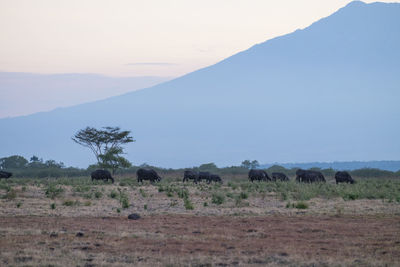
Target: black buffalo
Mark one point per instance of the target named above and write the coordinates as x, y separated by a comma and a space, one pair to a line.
215, 178
102, 175
204, 176
147, 174
344, 177
258, 175
4, 174
279, 176
307, 176
190, 175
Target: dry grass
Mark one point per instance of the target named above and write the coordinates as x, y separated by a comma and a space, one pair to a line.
252, 228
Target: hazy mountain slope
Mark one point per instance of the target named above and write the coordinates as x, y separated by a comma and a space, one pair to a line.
27, 93
328, 92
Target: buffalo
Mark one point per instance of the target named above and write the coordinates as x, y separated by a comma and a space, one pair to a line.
343, 177
279, 176
258, 175
215, 178
102, 175
190, 175
307, 176
147, 174
204, 176
4, 174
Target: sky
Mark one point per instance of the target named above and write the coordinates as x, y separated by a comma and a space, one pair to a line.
142, 38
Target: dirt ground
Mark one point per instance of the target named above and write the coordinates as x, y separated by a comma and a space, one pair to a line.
188, 240
261, 230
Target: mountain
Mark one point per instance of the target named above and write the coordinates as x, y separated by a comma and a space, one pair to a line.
329, 92
17, 89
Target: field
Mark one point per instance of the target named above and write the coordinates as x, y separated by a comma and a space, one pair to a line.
76, 222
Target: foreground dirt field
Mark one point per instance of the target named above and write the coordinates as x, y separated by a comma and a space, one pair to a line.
177, 240
74, 222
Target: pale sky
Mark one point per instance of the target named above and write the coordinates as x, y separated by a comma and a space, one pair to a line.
142, 37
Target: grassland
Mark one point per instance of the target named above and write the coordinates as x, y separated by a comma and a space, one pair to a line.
237, 223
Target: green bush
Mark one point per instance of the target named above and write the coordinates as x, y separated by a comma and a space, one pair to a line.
217, 198
52, 191
301, 205
188, 204
70, 203
243, 195
113, 194
53, 206
98, 194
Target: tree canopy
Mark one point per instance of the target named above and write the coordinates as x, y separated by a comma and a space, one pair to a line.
106, 144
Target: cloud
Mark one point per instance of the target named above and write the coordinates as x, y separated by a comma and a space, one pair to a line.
151, 64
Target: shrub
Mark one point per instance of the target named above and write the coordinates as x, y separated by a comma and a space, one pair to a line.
52, 191
123, 199
301, 205
53, 206
217, 198
183, 193
113, 194
19, 204
87, 203
145, 206
205, 204
98, 194
188, 204
142, 193
243, 195
68, 203
12, 194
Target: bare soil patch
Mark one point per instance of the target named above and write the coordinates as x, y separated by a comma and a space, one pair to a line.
189, 240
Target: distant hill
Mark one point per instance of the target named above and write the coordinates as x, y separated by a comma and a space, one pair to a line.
329, 92
18, 90
348, 165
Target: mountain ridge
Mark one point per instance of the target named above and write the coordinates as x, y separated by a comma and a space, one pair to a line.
256, 104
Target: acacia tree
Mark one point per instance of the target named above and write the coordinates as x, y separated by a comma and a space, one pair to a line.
106, 144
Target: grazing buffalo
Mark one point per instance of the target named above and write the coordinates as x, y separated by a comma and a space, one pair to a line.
344, 177
258, 175
306, 176
4, 174
147, 174
190, 175
279, 176
215, 178
204, 176
102, 175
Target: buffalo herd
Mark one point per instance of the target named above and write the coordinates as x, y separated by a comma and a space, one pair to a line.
303, 176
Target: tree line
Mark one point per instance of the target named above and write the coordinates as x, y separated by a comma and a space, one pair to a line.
107, 145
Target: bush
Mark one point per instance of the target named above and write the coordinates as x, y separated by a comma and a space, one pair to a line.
243, 195
113, 194
217, 198
301, 205
52, 191
188, 204
53, 206
12, 194
98, 195
183, 193
142, 193
70, 203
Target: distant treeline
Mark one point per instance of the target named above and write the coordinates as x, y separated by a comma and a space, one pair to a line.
388, 165
37, 168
